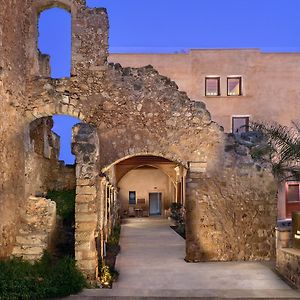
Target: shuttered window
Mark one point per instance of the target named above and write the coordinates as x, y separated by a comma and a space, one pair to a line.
212, 86
234, 86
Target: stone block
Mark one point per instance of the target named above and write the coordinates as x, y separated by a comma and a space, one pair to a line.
86, 217
86, 190
82, 207
83, 246
83, 236
84, 198
82, 182
32, 239
85, 226
87, 264
86, 255
197, 167
20, 251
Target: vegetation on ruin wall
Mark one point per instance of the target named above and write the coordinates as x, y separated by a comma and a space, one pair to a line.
107, 270
65, 227
280, 147
65, 205
46, 278
177, 214
52, 276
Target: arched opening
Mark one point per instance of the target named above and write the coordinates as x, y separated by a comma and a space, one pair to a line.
63, 127
139, 190
49, 190
54, 39
148, 185
151, 197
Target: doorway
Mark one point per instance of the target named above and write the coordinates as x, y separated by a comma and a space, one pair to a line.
155, 200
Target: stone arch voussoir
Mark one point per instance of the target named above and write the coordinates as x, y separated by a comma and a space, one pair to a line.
70, 5
48, 110
132, 152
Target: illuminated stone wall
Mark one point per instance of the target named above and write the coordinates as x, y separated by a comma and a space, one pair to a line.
126, 112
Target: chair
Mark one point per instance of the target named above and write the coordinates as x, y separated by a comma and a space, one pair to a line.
131, 211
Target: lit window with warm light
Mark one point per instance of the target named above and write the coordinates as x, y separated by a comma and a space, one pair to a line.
234, 86
212, 86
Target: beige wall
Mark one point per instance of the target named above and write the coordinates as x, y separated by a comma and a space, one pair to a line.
145, 181
281, 205
271, 89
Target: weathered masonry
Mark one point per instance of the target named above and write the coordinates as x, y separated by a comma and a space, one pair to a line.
126, 112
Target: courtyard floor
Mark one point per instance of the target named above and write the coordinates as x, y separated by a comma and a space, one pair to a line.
151, 264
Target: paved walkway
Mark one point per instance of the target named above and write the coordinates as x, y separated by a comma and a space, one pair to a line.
151, 264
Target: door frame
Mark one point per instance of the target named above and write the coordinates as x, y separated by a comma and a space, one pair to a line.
292, 205
162, 201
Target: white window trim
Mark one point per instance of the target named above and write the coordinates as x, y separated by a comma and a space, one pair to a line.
213, 77
242, 85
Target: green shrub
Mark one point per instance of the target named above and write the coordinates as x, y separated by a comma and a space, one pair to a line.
44, 279
65, 205
113, 239
176, 212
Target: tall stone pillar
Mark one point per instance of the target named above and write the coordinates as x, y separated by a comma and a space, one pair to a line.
85, 146
89, 40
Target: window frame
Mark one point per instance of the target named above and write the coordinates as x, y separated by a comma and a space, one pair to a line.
219, 85
240, 117
240, 86
287, 183
129, 192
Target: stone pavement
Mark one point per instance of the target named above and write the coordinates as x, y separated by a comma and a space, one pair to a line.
151, 265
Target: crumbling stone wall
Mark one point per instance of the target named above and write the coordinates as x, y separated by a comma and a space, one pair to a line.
134, 111
43, 170
231, 215
38, 220
13, 74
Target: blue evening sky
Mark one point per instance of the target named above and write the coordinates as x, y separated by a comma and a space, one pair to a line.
174, 25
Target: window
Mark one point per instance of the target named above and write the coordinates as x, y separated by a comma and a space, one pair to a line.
212, 86
55, 39
240, 124
234, 86
132, 197
292, 192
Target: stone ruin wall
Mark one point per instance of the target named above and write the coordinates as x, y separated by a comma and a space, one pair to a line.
37, 229
13, 74
233, 212
135, 111
43, 170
